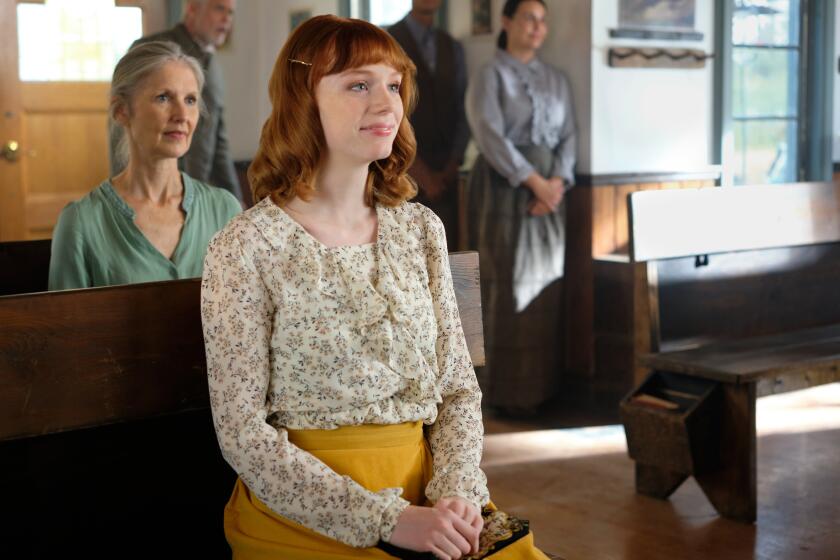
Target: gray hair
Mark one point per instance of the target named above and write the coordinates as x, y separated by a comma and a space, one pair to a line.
138, 63
188, 2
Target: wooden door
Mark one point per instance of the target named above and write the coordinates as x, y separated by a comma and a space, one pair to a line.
60, 129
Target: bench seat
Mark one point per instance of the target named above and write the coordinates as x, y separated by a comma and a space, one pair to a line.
778, 363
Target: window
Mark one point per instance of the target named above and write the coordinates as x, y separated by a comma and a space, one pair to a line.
69, 40
379, 12
765, 90
774, 83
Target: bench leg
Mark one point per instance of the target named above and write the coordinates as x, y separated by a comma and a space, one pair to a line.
657, 482
732, 488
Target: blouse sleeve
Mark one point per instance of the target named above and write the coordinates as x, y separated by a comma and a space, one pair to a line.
67, 256
486, 120
565, 153
237, 313
457, 436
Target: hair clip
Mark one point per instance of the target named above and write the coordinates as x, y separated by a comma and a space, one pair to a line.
295, 61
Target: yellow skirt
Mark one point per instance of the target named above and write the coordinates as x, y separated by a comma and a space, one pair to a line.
376, 457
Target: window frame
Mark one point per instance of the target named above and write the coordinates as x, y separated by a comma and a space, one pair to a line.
815, 81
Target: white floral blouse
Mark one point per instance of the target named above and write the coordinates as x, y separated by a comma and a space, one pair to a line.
303, 336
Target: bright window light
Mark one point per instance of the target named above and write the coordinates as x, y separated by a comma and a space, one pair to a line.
387, 12
74, 40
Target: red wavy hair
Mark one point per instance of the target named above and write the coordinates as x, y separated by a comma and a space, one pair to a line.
292, 144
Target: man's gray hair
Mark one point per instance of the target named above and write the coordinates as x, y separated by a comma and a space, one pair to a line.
187, 5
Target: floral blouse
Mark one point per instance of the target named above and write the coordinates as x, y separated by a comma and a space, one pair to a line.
303, 336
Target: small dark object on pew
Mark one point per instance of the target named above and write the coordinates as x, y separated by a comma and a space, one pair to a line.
24, 266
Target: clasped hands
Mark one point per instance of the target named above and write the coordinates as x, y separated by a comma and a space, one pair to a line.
548, 193
449, 529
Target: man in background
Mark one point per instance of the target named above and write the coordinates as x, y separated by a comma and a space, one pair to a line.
205, 27
439, 120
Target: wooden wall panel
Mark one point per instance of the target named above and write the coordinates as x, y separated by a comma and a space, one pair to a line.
603, 220
621, 228
577, 284
597, 231
610, 232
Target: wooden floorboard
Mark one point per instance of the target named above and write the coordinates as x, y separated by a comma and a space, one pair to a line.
576, 487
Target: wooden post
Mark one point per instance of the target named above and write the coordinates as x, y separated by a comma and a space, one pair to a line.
732, 487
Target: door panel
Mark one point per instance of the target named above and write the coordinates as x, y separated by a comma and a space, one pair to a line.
64, 126
11, 196
61, 128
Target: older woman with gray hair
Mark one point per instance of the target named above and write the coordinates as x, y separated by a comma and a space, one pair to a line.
149, 222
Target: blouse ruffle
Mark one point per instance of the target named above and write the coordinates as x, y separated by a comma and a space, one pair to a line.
388, 327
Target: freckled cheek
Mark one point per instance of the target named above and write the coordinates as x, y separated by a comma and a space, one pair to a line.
398, 109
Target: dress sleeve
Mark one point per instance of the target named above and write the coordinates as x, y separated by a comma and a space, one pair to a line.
565, 153
237, 316
457, 436
68, 269
486, 120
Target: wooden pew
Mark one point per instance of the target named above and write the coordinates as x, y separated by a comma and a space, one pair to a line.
107, 447
735, 298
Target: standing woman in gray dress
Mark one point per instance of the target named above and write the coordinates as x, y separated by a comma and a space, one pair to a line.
520, 112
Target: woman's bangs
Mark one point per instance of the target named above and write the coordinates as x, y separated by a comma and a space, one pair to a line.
363, 45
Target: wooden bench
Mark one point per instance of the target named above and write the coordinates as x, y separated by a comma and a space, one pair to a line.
107, 447
736, 297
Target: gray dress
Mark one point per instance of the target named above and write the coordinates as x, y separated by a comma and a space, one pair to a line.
522, 119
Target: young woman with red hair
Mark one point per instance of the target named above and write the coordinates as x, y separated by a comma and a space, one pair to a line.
332, 331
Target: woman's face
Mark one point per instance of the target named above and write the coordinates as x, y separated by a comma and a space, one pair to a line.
361, 111
163, 113
527, 28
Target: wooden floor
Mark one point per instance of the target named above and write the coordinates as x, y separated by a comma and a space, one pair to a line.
576, 487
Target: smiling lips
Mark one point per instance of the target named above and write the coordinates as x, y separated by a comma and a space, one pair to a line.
379, 129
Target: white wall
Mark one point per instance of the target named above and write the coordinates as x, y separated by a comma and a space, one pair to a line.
649, 119
567, 47
477, 48
630, 120
260, 29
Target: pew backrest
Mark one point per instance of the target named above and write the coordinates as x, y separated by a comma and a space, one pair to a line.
82, 358
733, 262
687, 222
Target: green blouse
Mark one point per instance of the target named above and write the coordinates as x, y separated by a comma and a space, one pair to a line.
97, 243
